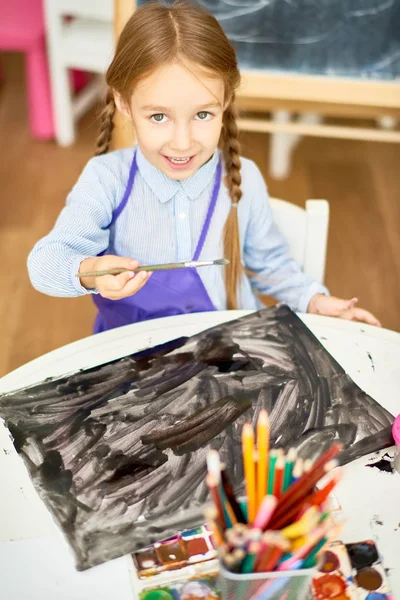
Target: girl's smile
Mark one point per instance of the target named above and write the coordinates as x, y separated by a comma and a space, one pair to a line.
179, 164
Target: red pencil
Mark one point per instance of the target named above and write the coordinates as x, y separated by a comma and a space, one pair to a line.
321, 495
293, 511
278, 480
212, 484
270, 560
305, 483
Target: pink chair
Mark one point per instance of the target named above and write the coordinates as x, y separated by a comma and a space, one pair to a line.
22, 29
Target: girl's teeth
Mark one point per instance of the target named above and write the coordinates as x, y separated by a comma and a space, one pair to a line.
179, 161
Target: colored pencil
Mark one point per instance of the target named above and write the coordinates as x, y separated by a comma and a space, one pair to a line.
213, 488
310, 559
278, 479
265, 512
250, 559
227, 487
307, 465
249, 470
272, 560
321, 495
281, 533
297, 470
307, 481
314, 538
214, 464
303, 526
292, 509
289, 465
273, 455
263, 453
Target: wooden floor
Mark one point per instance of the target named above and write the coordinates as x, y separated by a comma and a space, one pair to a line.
360, 180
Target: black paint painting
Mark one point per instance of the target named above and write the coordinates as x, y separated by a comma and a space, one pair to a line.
118, 452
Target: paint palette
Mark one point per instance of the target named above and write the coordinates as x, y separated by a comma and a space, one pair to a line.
189, 547
200, 588
351, 572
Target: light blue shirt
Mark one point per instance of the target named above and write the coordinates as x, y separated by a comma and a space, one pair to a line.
161, 223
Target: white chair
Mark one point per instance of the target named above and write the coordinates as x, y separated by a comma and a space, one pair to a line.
306, 231
86, 42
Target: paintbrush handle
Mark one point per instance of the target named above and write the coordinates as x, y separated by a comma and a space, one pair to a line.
165, 267
161, 267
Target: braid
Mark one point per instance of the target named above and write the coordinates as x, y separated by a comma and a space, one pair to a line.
106, 125
231, 152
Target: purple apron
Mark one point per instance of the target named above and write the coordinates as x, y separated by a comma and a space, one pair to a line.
167, 292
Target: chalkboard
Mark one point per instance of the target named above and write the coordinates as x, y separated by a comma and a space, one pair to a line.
355, 38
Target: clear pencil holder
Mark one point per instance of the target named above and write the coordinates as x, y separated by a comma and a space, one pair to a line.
288, 585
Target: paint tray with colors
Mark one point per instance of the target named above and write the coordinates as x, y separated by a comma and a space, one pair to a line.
351, 572
189, 547
199, 588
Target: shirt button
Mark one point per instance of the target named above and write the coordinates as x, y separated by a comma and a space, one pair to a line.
182, 216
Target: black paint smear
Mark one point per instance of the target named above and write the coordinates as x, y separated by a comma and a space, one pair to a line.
118, 452
372, 362
54, 476
384, 465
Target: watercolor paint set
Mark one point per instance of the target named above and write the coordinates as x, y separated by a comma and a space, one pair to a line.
195, 582
189, 547
351, 572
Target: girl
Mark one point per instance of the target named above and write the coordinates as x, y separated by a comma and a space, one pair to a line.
175, 196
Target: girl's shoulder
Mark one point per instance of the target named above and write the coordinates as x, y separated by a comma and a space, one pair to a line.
252, 179
113, 165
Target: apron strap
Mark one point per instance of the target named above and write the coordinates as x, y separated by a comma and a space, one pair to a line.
211, 207
127, 193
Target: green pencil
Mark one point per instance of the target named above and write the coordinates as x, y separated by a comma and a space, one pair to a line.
310, 559
287, 475
273, 455
250, 559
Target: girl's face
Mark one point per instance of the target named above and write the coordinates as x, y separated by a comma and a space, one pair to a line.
177, 115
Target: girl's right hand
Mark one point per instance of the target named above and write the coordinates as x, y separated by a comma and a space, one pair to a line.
113, 287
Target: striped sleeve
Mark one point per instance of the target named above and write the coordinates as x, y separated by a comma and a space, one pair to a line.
79, 232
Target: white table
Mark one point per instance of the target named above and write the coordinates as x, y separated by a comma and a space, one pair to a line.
35, 560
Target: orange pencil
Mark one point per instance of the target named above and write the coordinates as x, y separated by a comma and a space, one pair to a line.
249, 470
263, 454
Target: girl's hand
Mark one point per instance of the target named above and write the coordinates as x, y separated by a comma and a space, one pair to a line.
113, 287
344, 309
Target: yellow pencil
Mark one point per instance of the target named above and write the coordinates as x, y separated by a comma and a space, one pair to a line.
249, 470
263, 454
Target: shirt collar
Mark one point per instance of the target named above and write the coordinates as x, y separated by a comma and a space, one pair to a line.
165, 188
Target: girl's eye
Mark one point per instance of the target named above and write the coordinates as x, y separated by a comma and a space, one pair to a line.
158, 118
204, 115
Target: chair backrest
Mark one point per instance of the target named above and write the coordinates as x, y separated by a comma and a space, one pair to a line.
306, 232
89, 9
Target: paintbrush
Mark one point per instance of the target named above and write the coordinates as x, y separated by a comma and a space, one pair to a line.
163, 267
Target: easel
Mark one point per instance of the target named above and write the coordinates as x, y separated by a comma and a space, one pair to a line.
123, 133
311, 97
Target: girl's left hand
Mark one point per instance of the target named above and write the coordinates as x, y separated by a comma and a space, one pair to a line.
344, 309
